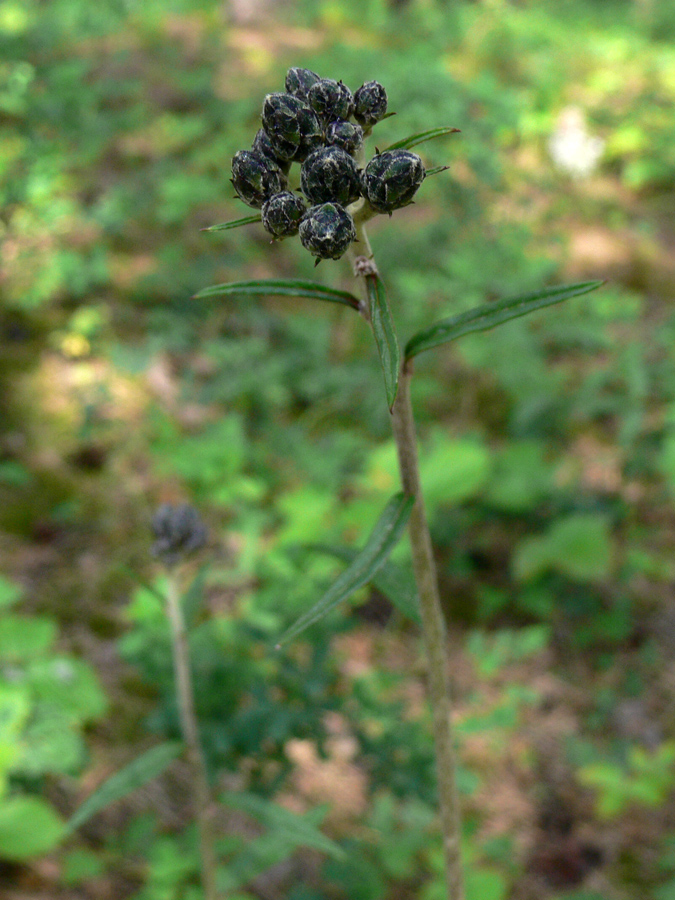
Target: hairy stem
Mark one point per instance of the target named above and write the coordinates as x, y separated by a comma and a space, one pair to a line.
433, 623
189, 728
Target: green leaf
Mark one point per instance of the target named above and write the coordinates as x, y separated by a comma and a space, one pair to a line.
236, 223
488, 315
421, 137
578, 546
309, 289
299, 830
24, 637
28, 827
10, 593
149, 765
396, 583
383, 538
385, 336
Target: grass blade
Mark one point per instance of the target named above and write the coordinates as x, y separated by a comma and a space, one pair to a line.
481, 318
143, 769
236, 223
385, 336
394, 582
383, 538
309, 289
421, 137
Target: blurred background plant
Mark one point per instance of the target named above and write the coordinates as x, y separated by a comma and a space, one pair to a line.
549, 467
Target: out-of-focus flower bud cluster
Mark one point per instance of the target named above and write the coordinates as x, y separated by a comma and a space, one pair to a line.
178, 532
319, 124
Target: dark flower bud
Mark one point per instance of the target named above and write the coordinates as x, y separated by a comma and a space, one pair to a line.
330, 174
282, 214
299, 81
255, 178
327, 230
344, 134
370, 103
330, 99
178, 531
263, 147
292, 127
391, 179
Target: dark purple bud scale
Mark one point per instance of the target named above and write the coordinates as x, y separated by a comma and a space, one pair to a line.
292, 127
330, 99
263, 147
255, 177
299, 81
391, 179
370, 103
345, 135
327, 231
330, 175
282, 214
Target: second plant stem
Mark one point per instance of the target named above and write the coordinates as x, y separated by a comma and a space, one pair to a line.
189, 729
433, 623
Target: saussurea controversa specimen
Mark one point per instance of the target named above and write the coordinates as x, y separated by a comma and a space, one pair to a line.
318, 124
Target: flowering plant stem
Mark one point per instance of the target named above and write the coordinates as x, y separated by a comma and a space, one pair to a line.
433, 623
189, 728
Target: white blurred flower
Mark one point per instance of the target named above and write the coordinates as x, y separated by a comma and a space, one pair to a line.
572, 148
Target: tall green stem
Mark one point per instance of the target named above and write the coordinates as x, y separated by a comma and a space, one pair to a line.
189, 728
433, 623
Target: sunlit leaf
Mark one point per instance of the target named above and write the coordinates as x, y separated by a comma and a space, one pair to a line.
383, 538
28, 827
291, 288
421, 137
488, 315
149, 765
385, 336
236, 223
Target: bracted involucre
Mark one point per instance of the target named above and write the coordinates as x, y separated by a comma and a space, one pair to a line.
346, 135
327, 231
370, 103
255, 177
299, 81
282, 214
330, 175
292, 127
178, 531
391, 179
330, 99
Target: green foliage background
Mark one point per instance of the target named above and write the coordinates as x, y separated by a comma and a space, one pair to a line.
548, 450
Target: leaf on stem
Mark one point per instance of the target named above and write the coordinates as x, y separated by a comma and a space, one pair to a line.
394, 582
383, 538
385, 336
309, 289
435, 171
421, 137
488, 315
236, 223
149, 765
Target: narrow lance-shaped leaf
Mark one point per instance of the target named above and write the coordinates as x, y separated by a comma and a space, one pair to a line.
385, 336
394, 582
309, 289
235, 223
421, 137
383, 538
435, 171
143, 769
481, 318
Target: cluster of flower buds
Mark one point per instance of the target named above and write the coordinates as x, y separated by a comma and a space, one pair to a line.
319, 124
